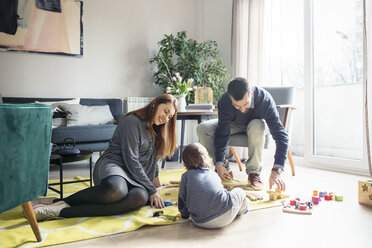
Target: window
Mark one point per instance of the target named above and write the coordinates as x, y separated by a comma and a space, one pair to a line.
338, 78
317, 46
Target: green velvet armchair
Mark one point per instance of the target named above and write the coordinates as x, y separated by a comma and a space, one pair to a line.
25, 136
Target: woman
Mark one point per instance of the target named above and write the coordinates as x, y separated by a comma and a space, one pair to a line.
126, 175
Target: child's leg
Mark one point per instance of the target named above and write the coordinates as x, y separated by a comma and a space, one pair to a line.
220, 221
240, 200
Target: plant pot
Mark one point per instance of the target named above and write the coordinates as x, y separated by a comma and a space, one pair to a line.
182, 103
204, 95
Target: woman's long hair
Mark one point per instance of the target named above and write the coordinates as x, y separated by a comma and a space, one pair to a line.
164, 135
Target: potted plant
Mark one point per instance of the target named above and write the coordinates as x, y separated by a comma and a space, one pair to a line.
190, 59
181, 88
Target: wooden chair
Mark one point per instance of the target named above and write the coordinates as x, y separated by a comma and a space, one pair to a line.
283, 97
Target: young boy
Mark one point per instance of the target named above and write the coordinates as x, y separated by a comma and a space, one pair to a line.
202, 196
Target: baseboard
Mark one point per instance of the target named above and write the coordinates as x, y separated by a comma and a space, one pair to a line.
332, 167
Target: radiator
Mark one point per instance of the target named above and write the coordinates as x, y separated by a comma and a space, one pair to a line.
134, 103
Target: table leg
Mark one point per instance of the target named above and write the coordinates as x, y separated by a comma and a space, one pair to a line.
90, 171
61, 177
182, 137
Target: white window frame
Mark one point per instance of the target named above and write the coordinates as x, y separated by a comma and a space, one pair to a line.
309, 159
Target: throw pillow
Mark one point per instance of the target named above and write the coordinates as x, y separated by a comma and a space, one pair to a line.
58, 122
56, 106
81, 115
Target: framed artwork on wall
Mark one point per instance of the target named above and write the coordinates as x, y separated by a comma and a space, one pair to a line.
42, 26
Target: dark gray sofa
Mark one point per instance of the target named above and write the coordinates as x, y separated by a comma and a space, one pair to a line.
93, 138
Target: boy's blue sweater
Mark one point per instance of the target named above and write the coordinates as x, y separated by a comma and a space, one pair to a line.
202, 195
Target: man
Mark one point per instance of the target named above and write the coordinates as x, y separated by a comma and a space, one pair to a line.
245, 109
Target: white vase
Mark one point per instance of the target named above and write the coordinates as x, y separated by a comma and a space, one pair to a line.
182, 103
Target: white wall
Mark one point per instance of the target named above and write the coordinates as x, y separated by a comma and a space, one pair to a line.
120, 36
217, 26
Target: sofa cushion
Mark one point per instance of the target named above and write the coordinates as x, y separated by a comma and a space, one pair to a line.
82, 134
80, 115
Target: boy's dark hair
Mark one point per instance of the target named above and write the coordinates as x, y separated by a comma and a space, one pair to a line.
238, 87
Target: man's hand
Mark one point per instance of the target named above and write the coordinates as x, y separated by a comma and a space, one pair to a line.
222, 172
276, 178
156, 200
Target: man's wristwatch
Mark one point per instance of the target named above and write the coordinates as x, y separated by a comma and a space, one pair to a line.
279, 170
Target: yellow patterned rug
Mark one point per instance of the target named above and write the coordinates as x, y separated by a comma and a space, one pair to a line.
15, 230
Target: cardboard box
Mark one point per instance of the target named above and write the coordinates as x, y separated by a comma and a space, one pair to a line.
365, 192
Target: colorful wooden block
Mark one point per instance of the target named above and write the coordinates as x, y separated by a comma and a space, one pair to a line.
365, 192
310, 204
315, 192
316, 199
303, 207
322, 193
339, 198
328, 197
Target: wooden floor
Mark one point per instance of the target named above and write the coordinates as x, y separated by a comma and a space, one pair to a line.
332, 224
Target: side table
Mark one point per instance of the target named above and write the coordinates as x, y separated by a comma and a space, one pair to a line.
57, 159
184, 116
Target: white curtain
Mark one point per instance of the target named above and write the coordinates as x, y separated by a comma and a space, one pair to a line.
246, 44
367, 77
247, 39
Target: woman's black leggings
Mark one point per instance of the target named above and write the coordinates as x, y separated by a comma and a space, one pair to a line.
113, 196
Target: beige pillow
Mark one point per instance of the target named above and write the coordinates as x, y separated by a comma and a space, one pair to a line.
56, 106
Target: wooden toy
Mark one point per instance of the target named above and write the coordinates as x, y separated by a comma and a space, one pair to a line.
339, 198
315, 192
322, 193
170, 185
254, 196
296, 211
316, 199
161, 214
244, 186
293, 210
328, 197
303, 207
292, 202
276, 195
170, 191
365, 192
